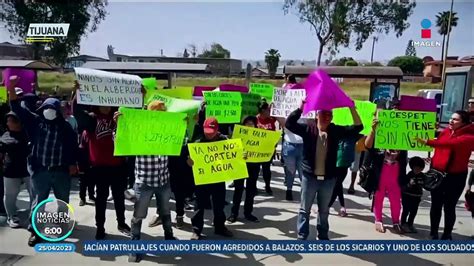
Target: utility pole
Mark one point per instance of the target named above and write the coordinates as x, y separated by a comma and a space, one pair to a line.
373, 45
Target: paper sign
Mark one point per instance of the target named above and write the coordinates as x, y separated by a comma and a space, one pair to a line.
3, 95
232, 87
26, 78
366, 110
413, 103
108, 89
286, 101
398, 130
224, 106
259, 144
219, 161
149, 83
190, 107
143, 132
263, 89
185, 93
198, 90
250, 104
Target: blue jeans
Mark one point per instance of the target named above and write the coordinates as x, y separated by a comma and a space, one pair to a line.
312, 188
292, 156
144, 193
43, 180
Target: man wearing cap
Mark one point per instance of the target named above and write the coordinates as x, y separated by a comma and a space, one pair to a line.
319, 165
216, 191
152, 177
54, 150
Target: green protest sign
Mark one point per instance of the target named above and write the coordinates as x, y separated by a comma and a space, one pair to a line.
224, 106
398, 130
185, 93
366, 110
3, 94
263, 89
259, 144
142, 132
190, 107
250, 104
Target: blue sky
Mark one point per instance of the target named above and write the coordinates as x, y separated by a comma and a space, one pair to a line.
249, 29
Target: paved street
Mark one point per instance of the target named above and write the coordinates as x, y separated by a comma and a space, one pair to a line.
278, 222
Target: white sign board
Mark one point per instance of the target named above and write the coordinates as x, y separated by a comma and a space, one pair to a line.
104, 88
286, 101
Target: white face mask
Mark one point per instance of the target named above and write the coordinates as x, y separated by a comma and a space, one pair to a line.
49, 114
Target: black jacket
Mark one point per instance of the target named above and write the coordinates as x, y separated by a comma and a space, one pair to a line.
335, 134
375, 157
14, 147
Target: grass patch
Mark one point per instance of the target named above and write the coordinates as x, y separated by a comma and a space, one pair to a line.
355, 89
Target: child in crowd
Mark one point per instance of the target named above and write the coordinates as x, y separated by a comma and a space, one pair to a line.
412, 191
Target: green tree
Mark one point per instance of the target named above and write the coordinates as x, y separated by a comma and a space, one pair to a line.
408, 64
272, 58
374, 64
442, 21
341, 61
337, 23
81, 15
410, 51
351, 63
216, 51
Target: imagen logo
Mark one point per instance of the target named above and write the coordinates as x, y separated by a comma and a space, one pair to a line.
53, 220
426, 29
46, 32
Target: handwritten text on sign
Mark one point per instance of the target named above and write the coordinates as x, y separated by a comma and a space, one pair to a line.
225, 106
219, 161
259, 144
142, 132
286, 101
366, 110
108, 89
263, 89
398, 130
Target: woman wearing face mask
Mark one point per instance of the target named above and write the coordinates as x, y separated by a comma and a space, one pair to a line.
14, 152
452, 150
390, 170
265, 121
250, 185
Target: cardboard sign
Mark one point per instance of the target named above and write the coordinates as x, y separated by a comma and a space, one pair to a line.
108, 89
143, 132
259, 144
185, 93
286, 101
226, 107
366, 110
250, 104
398, 130
219, 161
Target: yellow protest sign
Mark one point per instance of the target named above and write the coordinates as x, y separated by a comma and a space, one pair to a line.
259, 144
143, 132
3, 94
219, 161
185, 93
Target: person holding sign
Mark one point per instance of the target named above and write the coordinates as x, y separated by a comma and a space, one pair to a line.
53, 159
452, 150
250, 185
265, 121
319, 164
107, 171
204, 192
389, 167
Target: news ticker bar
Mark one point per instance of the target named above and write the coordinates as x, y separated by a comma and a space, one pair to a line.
261, 247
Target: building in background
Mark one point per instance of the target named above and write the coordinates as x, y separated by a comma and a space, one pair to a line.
10, 51
217, 66
433, 68
78, 61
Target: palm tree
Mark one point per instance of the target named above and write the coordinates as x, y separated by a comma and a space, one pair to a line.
442, 21
272, 58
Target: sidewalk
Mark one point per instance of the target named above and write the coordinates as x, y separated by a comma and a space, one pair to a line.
278, 222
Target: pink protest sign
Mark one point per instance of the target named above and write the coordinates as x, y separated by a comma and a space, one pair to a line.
232, 87
26, 78
413, 103
323, 93
294, 86
199, 89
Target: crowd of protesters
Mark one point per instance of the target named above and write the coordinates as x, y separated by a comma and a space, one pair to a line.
46, 142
